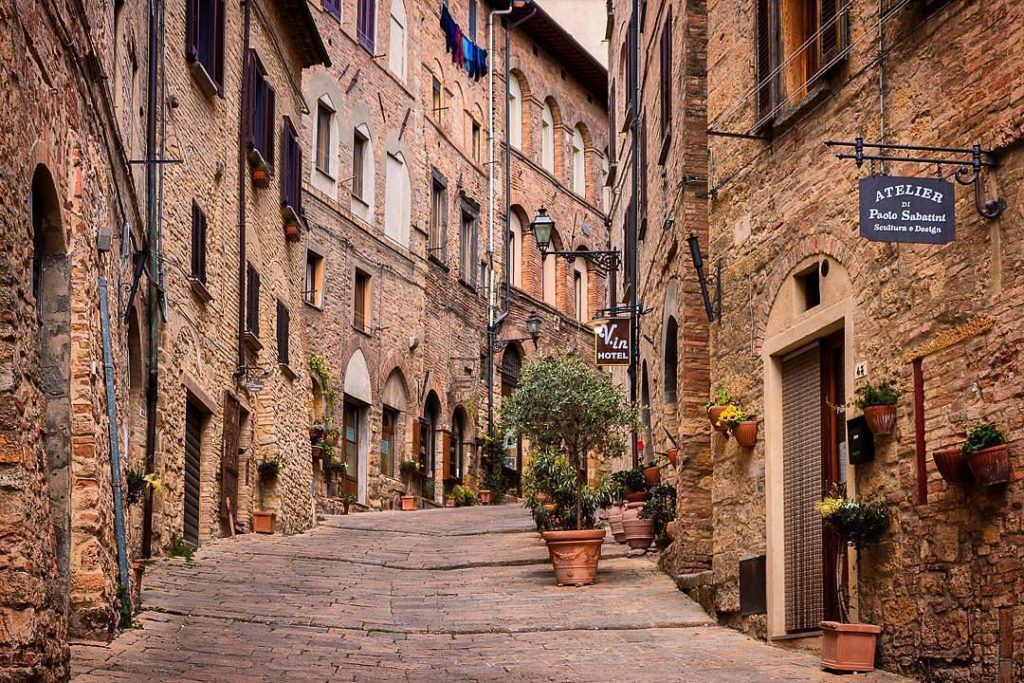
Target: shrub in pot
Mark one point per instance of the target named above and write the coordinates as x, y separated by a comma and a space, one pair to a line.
464, 496
652, 475
660, 510
952, 465
878, 403
485, 496
717, 405
846, 646
987, 454
347, 500
568, 409
634, 485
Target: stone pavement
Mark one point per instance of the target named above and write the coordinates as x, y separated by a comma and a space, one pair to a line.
433, 595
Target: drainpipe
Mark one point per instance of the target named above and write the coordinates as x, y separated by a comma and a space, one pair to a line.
634, 355
243, 129
153, 296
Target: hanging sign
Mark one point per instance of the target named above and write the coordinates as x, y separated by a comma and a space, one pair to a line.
611, 342
894, 209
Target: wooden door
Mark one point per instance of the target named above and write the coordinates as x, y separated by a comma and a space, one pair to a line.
229, 461
350, 450
833, 435
193, 448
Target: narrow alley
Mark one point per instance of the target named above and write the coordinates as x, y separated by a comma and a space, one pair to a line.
433, 595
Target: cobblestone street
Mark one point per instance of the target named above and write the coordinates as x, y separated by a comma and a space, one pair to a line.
438, 595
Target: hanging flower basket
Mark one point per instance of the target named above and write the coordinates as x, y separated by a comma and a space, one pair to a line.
716, 406
878, 402
952, 465
880, 419
714, 413
292, 231
988, 456
260, 175
746, 433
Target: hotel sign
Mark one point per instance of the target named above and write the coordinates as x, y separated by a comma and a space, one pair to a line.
894, 209
611, 342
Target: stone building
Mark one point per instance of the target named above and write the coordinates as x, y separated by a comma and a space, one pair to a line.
811, 311
70, 228
404, 232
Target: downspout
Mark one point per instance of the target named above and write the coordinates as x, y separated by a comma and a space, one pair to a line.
508, 165
243, 129
153, 302
124, 594
634, 125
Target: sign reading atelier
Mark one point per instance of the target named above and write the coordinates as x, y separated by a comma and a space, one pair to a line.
611, 342
896, 209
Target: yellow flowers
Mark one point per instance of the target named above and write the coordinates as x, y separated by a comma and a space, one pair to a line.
830, 506
731, 417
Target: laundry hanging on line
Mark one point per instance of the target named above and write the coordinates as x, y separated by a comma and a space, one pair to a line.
464, 51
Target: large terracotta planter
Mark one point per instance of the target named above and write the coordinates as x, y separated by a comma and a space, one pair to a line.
574, 555
952, 465
638, 497
746, 433
880, 419
673, 457
848, 647
485, 496
449, 501
639, 532
652, 475
615, 523
991, 465
263, 522
409, 503
714, 412
670, 529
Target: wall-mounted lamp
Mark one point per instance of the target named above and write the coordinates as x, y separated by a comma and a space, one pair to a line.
532, 328
712, 308
543, 225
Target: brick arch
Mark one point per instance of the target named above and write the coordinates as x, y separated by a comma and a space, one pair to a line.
526, 108
823, 245
433, 384
397, 359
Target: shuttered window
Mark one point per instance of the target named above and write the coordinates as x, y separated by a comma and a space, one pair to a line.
193, 449
252, 300
666, 76
438, 218
366, 23
198, 243
613, 145
291, 168
333, 7
283, 324
261, 110
204, 38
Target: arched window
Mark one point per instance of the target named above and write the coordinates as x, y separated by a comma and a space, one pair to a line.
547, 138
396, 51
325, 136
397, 208
581, 289
515, 250
550, 273
579, 164
670, 359
515, 112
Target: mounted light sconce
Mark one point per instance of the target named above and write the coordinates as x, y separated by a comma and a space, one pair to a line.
712, 308
543, 225
532, 328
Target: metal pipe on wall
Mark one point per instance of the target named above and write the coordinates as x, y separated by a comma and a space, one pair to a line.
242, 131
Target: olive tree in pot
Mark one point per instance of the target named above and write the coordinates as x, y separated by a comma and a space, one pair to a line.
565, 407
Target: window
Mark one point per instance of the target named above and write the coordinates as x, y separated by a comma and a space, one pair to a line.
252, 301
261, 113
671, 359
389, 418
361, 301
579, 165
547, 138
397, 208
366, 23
198, 243
581, 290
435, 98
808, 285
333, 7
515, 112
515, 249
438, 237
283, 322
472, 20
396, 49
549, 273
291, 169
666, 76
467, 245
324, 121
475, 139
313, 293
798, 42
204, 43
359, 145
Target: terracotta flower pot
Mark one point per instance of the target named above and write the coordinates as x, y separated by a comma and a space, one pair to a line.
345, 507
316, 433
263, 522
746, 433
673, 457
639, 532
292, 232
615, 523
630, 511
449, 501
952, 464
261, 177
848, 647
880, 419
318, 452
409, 503
670, 529
637, 497
574, 555
991, 465
485, 496
714, 412
652, 475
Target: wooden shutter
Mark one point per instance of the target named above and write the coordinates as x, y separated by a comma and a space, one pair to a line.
193, 448
283, 323
834, 34
252, 300
417, 443
268, 124
765, 60
198, 243
642, 212
446, 454
192, 30
802, 489
612, 130
229, 458
220, 11
250, 97
666, 76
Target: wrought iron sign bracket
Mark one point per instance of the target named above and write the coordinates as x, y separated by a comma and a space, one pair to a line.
969, 166
611, 260
499, 345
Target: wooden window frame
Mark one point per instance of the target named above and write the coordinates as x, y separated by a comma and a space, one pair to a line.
468, 253
359, 143
261, 111
366, 24
314, 292
333, 7
362, 300
199, 233
666, 84
252, 307
323, 137
205, 51
437, 239
291, 169
283, 333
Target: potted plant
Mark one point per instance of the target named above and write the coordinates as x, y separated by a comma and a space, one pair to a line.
292, 229
673, 457
485, 496
269, 468
464, 496
635, 485
737, 422
987, 454
878, 402
659, 510
566, 407
316, 432
449, 500
952, 465
347, 500
717, 405
846, 646
260, 172
652, 474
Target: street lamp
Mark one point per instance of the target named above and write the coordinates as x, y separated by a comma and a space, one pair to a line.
543, 225
713, 309
532, 327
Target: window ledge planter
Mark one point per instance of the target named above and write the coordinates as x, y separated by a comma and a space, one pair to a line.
409, 503
991, 465
292, 224
848, 647
952, 465
263, 522
259, 169
574, 555
880, 419
746, 433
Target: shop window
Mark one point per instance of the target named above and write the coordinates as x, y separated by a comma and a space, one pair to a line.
204, 49
261, 113
361, 301
313, 293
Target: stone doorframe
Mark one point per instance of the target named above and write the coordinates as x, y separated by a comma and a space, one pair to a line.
815, 325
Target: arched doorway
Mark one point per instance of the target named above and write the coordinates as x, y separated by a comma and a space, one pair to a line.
393, 400
355, 438
51, 289
511, 366
430, 450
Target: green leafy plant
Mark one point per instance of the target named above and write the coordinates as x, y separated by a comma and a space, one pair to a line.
136, 487
721, 397
349, 498
492, 465
428, 489
660, 507
328, 386
270, 467
409, 467
566, 405
464, 496
551, 494
982, 435
885, 393
179, 548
